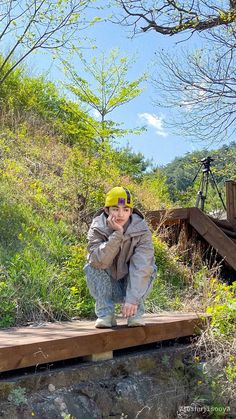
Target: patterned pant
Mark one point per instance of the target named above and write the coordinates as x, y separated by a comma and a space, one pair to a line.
107, 291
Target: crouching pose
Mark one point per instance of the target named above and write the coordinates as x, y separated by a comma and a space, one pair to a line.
120, 266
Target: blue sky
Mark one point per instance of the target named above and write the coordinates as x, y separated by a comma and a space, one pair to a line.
157, 143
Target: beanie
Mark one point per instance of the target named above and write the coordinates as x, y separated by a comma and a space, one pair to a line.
119, 196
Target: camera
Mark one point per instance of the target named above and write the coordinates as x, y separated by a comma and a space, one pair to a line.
206, 163
207, 160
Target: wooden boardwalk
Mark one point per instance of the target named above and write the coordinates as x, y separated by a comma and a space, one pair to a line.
51, 342
220, 234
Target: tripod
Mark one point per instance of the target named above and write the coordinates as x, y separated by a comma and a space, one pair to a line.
205, 165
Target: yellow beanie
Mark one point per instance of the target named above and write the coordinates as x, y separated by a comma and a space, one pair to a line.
119, 196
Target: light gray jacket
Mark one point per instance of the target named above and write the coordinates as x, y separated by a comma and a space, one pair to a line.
122, 253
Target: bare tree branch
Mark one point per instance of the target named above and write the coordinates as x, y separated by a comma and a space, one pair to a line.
28, 25
199, 92
169, 17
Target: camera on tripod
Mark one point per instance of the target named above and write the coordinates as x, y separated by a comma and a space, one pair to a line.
206, 162
205, 165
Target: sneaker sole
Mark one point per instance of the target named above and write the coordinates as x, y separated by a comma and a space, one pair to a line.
136, 325
104, 327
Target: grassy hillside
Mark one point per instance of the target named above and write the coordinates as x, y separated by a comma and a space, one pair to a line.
54, 173
54, 176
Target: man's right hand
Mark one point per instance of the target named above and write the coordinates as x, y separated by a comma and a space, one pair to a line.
129, 309
111, 221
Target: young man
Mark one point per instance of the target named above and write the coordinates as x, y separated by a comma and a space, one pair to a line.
121, 265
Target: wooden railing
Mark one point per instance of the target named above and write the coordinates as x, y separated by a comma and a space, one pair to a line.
213, 231
230, 186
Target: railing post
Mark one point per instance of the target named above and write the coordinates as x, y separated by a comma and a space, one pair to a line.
230, 186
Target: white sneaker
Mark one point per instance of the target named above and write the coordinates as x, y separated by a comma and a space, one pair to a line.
135, 321
106, 322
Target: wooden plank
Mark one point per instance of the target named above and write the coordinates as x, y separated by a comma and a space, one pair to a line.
230, 186
167, 217
222, 223
103, 356
32, 346
214, 236
229, 233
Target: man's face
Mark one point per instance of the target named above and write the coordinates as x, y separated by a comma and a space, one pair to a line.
121, 213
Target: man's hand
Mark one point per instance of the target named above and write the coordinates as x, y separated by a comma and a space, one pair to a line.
129, 310
111, 221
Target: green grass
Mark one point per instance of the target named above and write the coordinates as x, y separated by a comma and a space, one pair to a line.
41, 272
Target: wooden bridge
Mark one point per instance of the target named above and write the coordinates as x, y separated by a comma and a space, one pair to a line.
220, 234
44, 344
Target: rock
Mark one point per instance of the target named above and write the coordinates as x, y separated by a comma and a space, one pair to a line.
51, 387
150, 384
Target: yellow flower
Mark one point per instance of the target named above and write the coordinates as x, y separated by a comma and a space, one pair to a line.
74, 290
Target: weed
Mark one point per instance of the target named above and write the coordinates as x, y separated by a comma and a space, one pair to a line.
18, 396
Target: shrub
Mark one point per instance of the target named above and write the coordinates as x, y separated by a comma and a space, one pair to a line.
216, 350
172, 277
8, 302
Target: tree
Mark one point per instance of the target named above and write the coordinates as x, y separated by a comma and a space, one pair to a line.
108, 90
199, 87
36, 104
30, 25
170, 17
184, 174
200, 91
131, 163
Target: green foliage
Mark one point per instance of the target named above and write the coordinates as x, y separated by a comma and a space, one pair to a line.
54, 173
90, 174
170, 269
35, 247
171, 279
75, 126
79, 297
216, 360
18, 396
181, 171
33, 105
223, 310
132, 164
150, 191
8, 302
156, 185
48, 25
45, 274
110, 90
53, 176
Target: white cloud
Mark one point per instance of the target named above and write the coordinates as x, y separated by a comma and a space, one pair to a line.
192, 95
154, 121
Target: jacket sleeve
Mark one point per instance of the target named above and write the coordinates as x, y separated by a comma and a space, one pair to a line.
141, 269
101, 252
